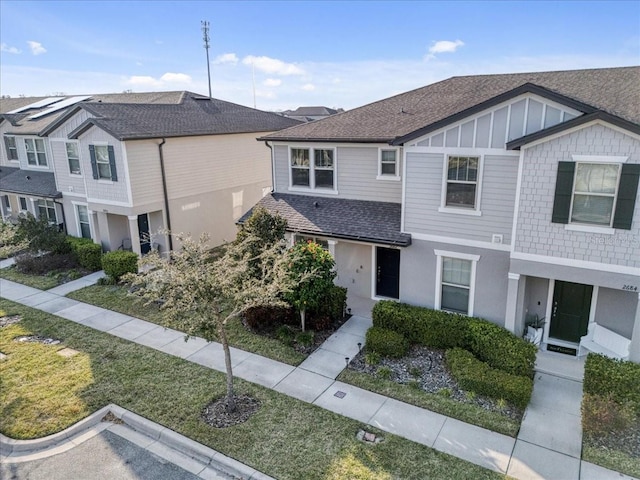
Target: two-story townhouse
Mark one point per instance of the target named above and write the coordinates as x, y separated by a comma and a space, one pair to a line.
499, 196
127, 171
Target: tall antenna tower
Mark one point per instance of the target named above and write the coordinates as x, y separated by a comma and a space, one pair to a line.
205, 37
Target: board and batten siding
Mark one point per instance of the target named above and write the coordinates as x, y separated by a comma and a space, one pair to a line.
424, 186
536, 234
357, 169
103, 190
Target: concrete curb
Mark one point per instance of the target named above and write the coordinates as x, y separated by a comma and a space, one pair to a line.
25, 450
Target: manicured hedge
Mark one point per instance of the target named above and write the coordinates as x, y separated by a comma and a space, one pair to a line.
434, 328
605, 376
477, 376
386, 342
119, 262
88, 254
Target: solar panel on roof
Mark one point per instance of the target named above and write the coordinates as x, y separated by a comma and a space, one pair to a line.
38, 104
60, 105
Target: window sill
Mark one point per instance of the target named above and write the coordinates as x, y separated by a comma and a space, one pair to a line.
38, 167
590, 229
71, 174
460, 211
389, 178
313, 190
105, 182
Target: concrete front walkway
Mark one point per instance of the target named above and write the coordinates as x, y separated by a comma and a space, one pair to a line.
530, 456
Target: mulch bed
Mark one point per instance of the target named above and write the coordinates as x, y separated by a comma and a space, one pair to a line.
627, 441
428, 368
217, 415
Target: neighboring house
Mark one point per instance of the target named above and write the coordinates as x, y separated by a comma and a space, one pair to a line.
309, 114
121, 168
498, 196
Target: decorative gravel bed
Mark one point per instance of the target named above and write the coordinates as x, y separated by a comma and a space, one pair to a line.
426, 367
37, 339
217, 415
9, 320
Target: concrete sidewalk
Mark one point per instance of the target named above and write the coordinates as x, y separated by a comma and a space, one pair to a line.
528, 457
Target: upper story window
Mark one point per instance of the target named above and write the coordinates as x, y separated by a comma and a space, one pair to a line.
319, 173
596, 194
388, 168
6, 202
462, 182
306, 239
12, 148
47, 209
73, 158
23, 204
103, 162
35, 152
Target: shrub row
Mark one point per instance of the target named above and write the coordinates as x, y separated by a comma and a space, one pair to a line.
477, 376
87, 253
118, 263
437, 329
386, 342
618, 379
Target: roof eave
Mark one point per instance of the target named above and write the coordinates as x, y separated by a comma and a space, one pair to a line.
517, 143
325, 139
522, 89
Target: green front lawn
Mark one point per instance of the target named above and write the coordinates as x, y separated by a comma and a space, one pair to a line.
116, 297
43, 392
434, 402
41, 282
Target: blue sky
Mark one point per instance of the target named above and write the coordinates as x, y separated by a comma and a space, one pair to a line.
338, 54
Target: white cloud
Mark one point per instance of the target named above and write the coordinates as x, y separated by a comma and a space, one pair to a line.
272, 82
36, 47
143, 81
443, 46
272, 66
170, 77
230, 58
308, 87
6, 48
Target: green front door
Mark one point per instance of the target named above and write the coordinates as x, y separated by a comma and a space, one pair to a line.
570, 314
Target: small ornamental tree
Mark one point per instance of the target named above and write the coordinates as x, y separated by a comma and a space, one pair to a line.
261, 230
199, 296
311, 270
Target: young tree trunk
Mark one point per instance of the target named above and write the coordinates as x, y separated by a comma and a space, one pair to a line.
222, 334
303, 313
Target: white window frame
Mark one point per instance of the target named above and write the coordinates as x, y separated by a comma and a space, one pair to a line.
312, 170
14, 148
440, 254
597, 160
48, 207
26, 205
98, 163
444, 208
36, 152
386, 176
77, 205
6, 203
77, 146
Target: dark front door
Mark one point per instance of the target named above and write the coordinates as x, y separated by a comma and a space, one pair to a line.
387, 272
570, 313
143, 228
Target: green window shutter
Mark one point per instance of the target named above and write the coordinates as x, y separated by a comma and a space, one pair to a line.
112, 164
626, 200
564, 191
94, 165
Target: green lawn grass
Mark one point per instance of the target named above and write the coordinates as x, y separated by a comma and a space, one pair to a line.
612, 459
43, 393
115, 297
41, 282
434, 402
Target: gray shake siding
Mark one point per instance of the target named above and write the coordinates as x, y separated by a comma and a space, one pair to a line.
535, 232
357, 169
424, 187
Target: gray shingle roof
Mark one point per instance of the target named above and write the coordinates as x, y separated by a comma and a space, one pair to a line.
195, 115
29, 182
612, 90
22, 125
376, 222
